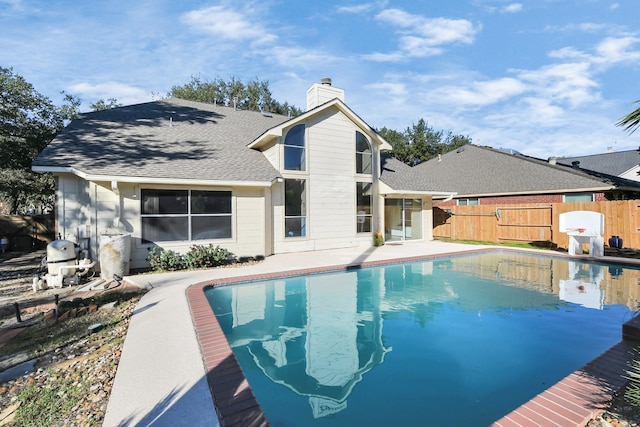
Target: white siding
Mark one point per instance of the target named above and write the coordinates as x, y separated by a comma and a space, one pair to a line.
248, 224
331, 179
272, 154
91, 208
74, 208
427, 218
632, 174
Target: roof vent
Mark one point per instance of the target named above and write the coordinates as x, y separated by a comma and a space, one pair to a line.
575, 164
326, 81
460, 150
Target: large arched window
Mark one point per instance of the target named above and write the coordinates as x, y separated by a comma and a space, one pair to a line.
363, 154
294, 152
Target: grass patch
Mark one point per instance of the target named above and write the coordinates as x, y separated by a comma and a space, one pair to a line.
47, 405
525, 245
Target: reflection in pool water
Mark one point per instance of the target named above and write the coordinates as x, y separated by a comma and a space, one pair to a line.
465, 339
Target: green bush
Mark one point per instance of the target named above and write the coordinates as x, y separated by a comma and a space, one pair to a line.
165, 260
199, 256
206, 256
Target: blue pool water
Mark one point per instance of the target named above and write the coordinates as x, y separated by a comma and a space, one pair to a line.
458, 341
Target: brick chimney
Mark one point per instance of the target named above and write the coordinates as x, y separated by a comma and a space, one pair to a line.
322, 92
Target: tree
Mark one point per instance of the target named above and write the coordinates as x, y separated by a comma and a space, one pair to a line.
421, 142
254, 96
631, 121
28, 122
101, 104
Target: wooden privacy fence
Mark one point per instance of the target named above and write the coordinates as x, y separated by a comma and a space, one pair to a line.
533, 222
26, 233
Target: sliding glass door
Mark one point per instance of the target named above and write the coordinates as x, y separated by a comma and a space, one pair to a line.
402, 219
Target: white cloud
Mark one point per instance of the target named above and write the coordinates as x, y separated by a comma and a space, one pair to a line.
125, 94
608, 52
614, 50
479, 93
294, 57
512, 8
585, 27
358, 8
570, 83
393, 90
421, 36
228, 24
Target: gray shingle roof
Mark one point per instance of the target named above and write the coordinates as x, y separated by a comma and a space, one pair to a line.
473, 171
167, 139
402, 177
615, 163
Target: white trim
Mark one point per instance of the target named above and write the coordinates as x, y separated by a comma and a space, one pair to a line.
384, 189
147, 180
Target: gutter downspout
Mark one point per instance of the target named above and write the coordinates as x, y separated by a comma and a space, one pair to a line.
117, 220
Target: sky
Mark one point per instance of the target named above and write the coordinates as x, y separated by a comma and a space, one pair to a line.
543, 77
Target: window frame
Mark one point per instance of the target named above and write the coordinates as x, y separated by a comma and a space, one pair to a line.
361, 218
360, 170
582, 194
302, 215
228, 213
467, 200
289, 147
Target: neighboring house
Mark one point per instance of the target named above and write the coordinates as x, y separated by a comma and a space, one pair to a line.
175, 173
624, 164
483, 175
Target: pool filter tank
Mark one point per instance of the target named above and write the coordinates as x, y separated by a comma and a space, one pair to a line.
63, 266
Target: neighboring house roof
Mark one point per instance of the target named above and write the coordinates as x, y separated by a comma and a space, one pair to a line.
613, 163
404, 179
171, 139
475, 171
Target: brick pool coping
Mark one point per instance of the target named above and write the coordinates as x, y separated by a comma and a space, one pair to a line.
573, 401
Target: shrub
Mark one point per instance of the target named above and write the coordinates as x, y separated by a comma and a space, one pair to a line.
206, 256
165, 260
199, 256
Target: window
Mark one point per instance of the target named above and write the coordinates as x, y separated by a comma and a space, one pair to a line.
363, 154
578, 197
474, 201
363, 206
169, 215
295, 215
294, 153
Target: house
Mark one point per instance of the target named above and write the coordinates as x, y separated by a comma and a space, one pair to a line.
175, 173
483, 175
624, 164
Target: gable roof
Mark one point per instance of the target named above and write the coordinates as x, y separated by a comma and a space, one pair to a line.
482, 171
336, 103
169, 140
614, 163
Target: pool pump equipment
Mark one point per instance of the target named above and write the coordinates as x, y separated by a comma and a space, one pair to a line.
63, 266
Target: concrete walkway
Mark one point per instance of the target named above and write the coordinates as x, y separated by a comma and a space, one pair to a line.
161, 379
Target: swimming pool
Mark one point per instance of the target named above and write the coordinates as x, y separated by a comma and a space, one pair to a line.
457, 341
